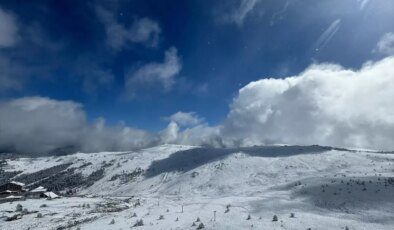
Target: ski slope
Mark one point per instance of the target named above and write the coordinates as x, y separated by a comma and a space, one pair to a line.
325, 188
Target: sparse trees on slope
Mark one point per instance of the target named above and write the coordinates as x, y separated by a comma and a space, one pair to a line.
139, 222
19, 208
201, 226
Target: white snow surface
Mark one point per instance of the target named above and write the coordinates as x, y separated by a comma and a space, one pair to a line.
325, 188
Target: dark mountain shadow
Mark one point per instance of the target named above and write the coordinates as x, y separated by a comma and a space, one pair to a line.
350, 194
371, 197
187, 160
12, 153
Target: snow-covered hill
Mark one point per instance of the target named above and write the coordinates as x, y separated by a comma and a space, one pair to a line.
325, 188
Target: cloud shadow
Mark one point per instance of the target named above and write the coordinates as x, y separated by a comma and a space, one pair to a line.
186, 160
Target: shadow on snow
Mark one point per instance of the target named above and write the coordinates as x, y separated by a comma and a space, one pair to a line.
187, 160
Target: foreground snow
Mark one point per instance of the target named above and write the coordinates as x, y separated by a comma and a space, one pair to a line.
325, 188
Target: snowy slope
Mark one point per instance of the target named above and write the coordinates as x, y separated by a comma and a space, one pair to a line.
326, 188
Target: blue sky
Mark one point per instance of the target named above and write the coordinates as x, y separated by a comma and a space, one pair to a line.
218, 56
141, 61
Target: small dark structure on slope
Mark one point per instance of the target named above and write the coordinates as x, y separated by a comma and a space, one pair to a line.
12, 191
36, 193
12, 188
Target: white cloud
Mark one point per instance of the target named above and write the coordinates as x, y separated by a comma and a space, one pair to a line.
201, 134
326, 104
385, 45
196, 132
100, 136
37, 124
8, 29
170, 134
155, 74
40, 125
185, 119
143, 30
239, 13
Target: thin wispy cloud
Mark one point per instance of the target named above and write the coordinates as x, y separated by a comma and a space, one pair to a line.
385, 45
327, 35
8, 29
8, 38
23, 45
279, 15
155, 75
240, 11
94, 76
143, 30
363, 3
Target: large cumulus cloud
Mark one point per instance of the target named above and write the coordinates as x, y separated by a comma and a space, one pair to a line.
326, 104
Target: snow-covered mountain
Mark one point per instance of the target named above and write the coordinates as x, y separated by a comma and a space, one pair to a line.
325, 188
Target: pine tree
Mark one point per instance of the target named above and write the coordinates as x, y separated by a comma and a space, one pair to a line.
19, 208
139, 222
201, 226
